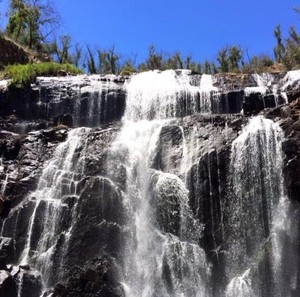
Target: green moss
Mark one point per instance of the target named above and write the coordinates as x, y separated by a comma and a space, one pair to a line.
24, 75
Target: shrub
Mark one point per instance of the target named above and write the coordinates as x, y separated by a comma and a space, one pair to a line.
24, 75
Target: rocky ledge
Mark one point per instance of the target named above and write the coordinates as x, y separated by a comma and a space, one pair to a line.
95, 100
52, 106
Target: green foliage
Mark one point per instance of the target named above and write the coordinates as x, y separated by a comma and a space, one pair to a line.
207, 67
60, 49
190, 64
291, 58
229, 59
279, 49
234, 58
127, 68
174, 61
100, 61
222, 59
30, 22
90, 61
108, 61
154, 60
288, 51
258, 64
23, 75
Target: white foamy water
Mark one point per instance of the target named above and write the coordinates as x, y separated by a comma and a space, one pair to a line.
240, 286
166, 94
158, 263
59, 179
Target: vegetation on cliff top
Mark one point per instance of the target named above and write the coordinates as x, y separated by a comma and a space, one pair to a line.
32, 23
24, 75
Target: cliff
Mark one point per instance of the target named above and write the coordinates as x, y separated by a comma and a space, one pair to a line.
102, 177
13, 53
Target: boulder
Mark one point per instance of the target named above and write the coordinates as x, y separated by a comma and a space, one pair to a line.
96, 278
8, 287
6, 251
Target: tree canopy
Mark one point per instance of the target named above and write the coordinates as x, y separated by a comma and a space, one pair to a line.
33, 23
30, 22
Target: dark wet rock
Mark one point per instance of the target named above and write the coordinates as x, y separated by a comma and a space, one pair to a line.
96, 278
168, 154
10, 145
207, 184
71, 101
291, 149
98, 228
97, 209
228, 102
30, 282
22, 159
65, 120
6, 251
21, 217
8, 287
166, 201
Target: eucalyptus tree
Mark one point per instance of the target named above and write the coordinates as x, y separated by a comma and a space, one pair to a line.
31, 22
279, 49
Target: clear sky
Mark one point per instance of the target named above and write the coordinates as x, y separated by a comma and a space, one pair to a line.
197, 27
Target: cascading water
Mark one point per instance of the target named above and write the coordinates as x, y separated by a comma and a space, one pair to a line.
91, 100
51, 219
257, 187
167, 94
162, 258
178, 214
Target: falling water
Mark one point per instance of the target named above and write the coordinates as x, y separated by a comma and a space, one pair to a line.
161, 254
240, 286
59, 180
257, 187
167, 94
162, 257
88, 100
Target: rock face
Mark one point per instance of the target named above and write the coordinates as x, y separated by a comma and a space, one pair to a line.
72, 101
162, 201
98, 278
13, 53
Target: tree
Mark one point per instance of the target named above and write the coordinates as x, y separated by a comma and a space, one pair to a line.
61, 48
90, 61
174, 61
108, 61
222, 58
258, 64
291, 58
31, 21
77, 54
235, 56
279, 49
154, 60
127, 68
207, 67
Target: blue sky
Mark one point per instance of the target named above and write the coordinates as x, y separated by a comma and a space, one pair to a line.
194, 27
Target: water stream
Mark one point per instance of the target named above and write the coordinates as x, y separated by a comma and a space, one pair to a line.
177, 191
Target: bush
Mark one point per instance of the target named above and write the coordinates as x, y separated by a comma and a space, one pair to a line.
24, 75
258, 64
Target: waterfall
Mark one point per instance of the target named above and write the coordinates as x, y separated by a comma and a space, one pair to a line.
285, 251
240, 286
257, 188
51, 218
88, 100
176, 201
167, 94
162, 257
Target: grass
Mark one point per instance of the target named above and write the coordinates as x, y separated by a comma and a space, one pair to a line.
24, 75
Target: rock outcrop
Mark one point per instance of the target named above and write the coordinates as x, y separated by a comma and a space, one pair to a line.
13, 53
92, 213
